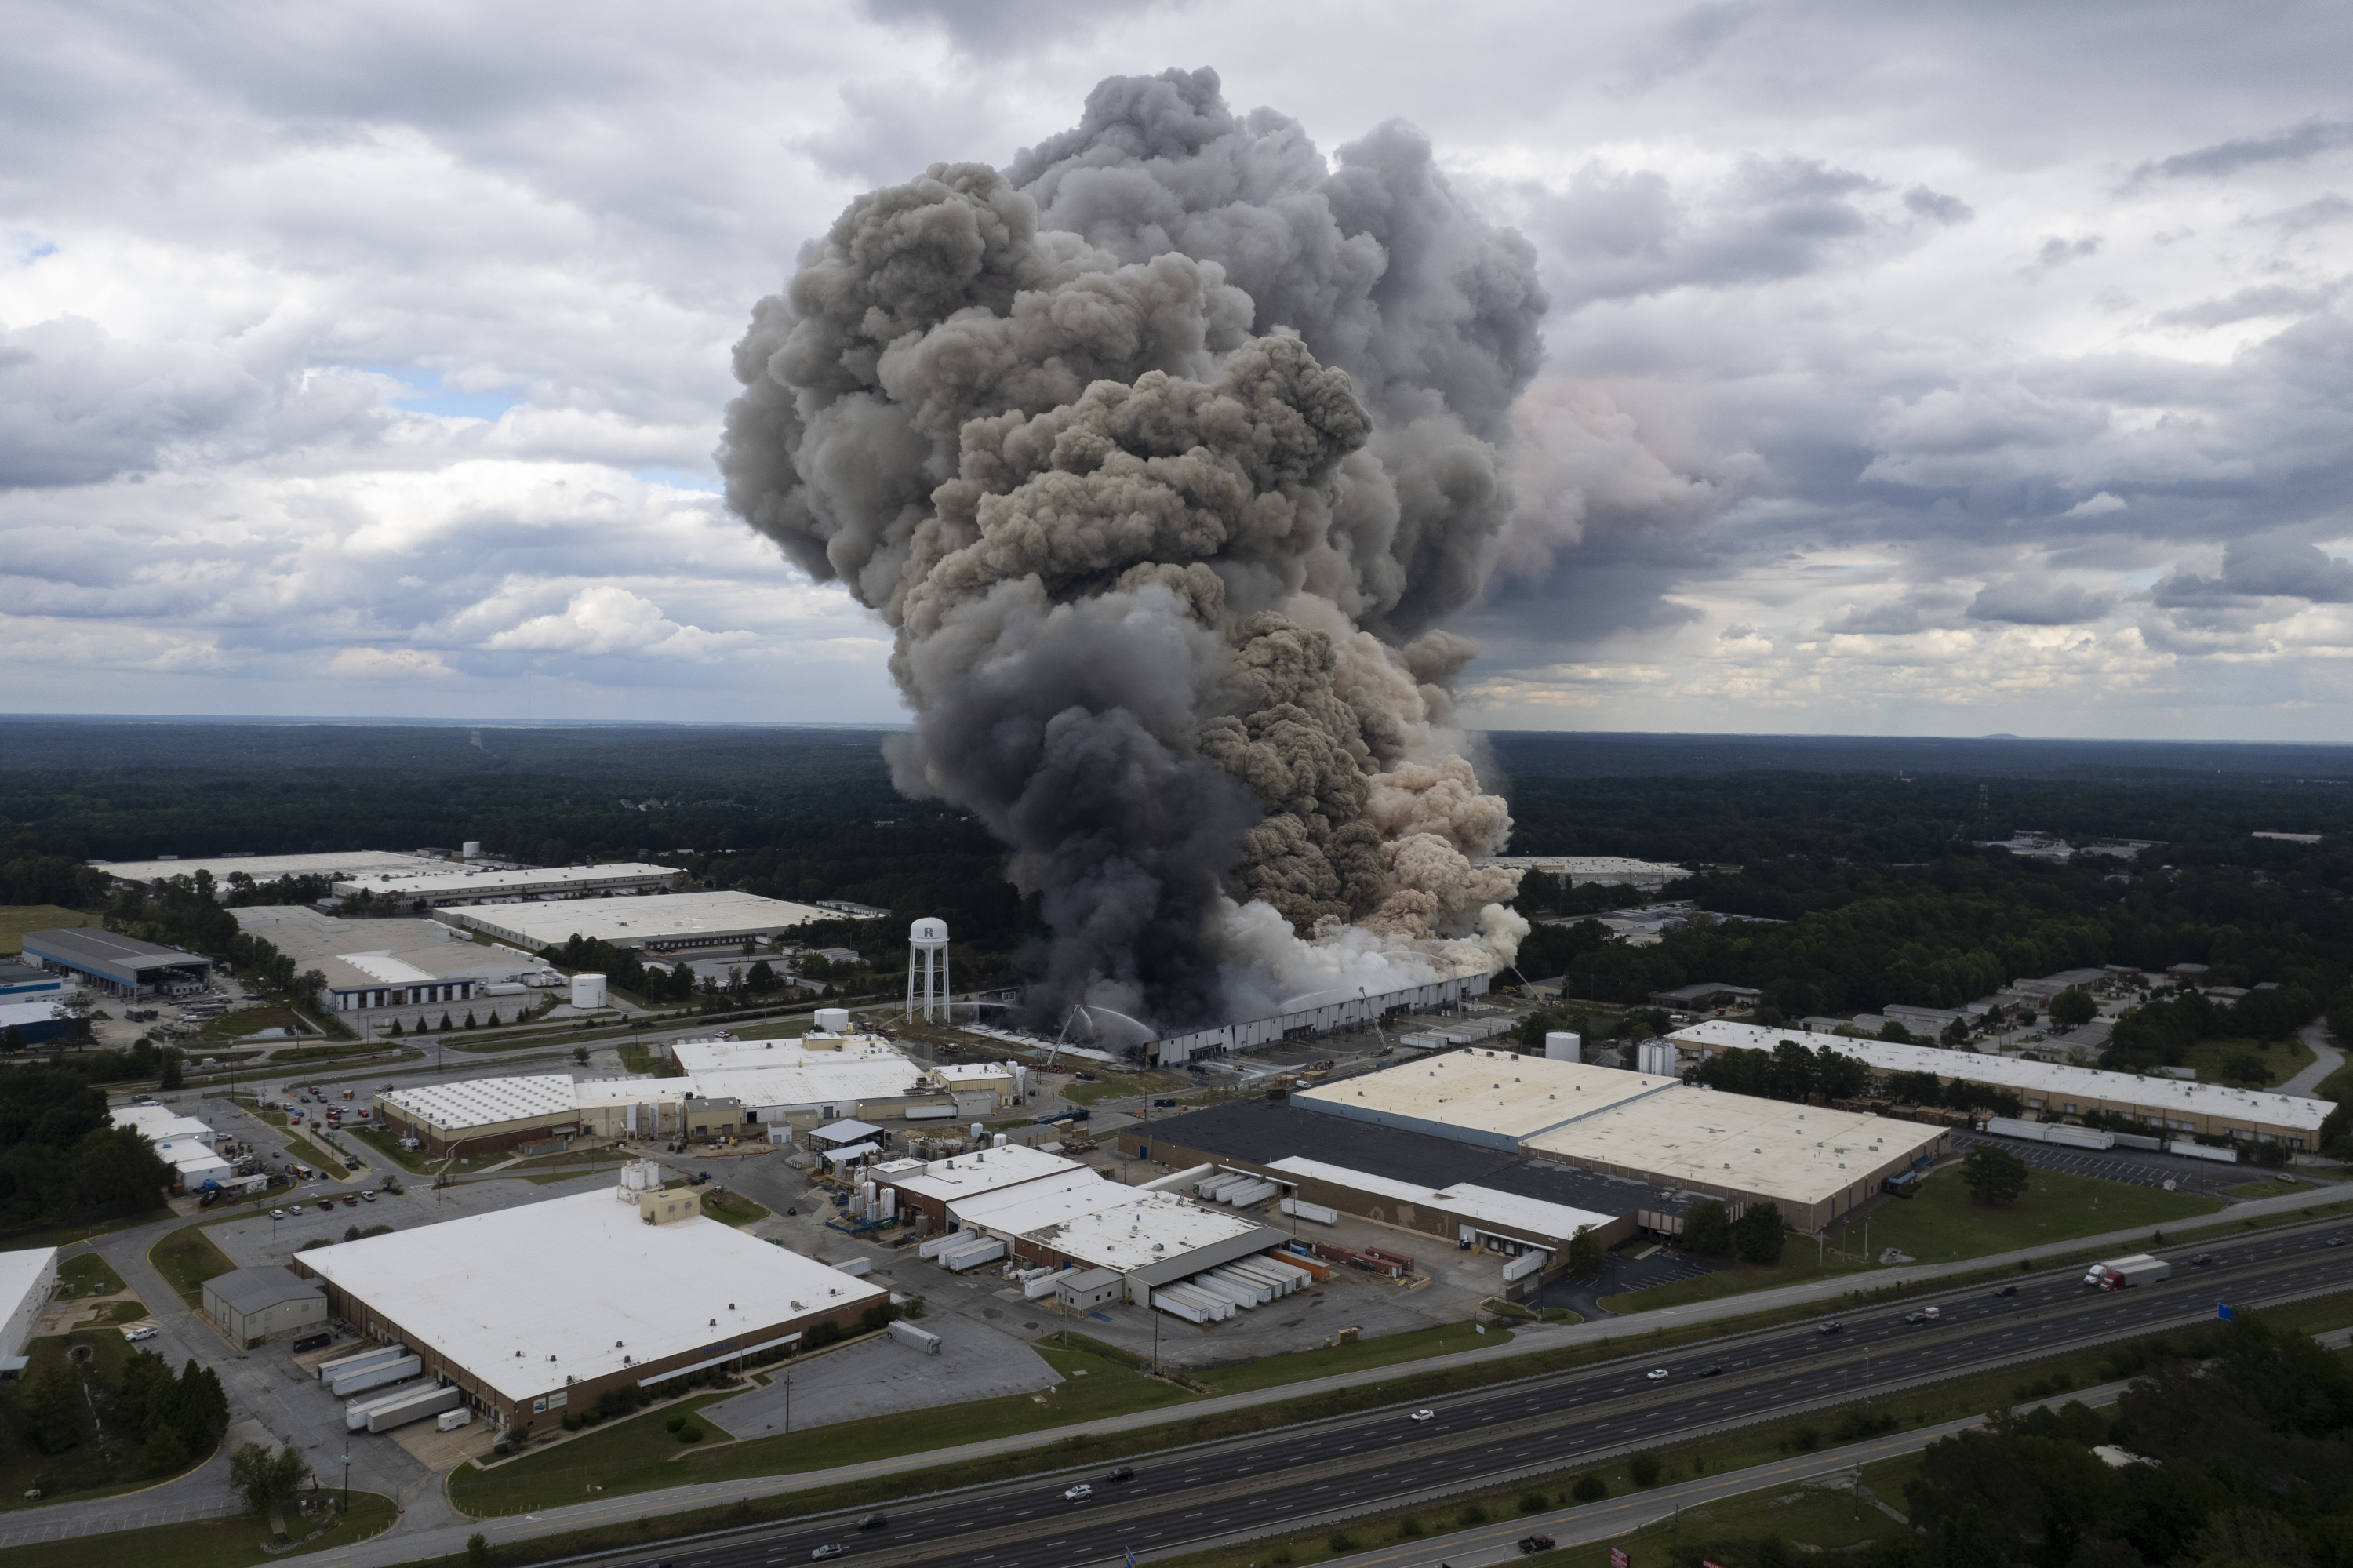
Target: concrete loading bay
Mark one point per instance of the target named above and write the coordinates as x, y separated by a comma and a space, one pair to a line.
1314, 1476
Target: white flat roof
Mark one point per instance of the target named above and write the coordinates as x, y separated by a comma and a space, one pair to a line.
270, 867
159, 1122
784, 1073
971, 1072
1803, 1154
484, 1102
601, 1285
22, 1272
2048, 1080
1481, 1205
967, 1176
1104, 1224
1014, 1208
586, 1092
1499, 1093
629, 922
190, 1158
1582, 865
488, 882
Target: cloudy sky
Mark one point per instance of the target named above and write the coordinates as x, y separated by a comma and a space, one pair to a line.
1933, 368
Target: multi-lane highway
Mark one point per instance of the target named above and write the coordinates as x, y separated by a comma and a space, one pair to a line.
1302, 1476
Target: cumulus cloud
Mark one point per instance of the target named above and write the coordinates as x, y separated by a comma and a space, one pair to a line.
2039, 602
2098, 506
609, 620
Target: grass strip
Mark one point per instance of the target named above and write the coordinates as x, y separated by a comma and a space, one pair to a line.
310, 1153
187, 1258
384, 1143
203, 1543
1964, 1396
87, 1273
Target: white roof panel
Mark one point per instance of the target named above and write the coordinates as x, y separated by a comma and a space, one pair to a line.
484, 1102
1482, 1205
629, 1289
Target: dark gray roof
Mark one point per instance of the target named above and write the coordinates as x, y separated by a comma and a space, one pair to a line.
1264, 1131
1257, 1239
252, 1290
94, 945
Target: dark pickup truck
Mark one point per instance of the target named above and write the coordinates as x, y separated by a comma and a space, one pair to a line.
1536, 1543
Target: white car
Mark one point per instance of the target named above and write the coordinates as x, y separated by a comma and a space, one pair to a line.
136, 1335
1424, 1415
1657, 1374
277, 1213
1079, 1493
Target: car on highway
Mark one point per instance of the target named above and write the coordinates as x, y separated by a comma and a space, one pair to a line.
1125, 1473
1657, 1374
1079, 1493
2201, 1260
1536, 1543
1711, 1371
1831, 1327
136, 1335
830, 1549
1425, 1415
2007, 1290
1925, 1315
277, 1213
2336, 1241
874, 1521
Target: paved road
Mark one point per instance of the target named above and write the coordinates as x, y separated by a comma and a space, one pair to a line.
1376, 1460
2327, 1059
1373, 1462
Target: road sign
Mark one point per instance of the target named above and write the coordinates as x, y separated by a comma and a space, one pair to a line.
1617, 1558
2223, 1310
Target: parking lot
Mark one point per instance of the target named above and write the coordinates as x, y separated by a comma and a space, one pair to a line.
2139, 1168
260, 1241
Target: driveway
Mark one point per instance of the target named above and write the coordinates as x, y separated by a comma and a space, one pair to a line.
2327, 1059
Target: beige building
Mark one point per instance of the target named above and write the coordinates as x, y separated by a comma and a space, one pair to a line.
254, 1304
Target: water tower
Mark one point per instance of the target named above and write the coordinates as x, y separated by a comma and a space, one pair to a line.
927, 952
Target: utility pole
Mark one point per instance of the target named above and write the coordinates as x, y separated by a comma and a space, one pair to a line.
347, 1477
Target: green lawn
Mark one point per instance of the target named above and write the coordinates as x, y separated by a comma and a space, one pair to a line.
87, 1273
310, 1153
1119, 1085
637, 1455
16, 919
731, 1208
1943, 1222
1267, 1372
384, 1144
187, 1258
202, 1543
2280, 1059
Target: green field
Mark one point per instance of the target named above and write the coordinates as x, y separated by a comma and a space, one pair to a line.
1118, 1085
187, 1258
87, 1273
16, 919
2281, 1060
1942, 1224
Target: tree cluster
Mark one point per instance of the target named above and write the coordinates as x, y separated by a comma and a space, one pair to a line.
1788, 1072
60, 1159
1757, 1236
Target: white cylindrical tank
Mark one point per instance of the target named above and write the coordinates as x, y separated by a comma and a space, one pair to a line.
1000, 1141
976, 1130
1658, 1057
587, 991
833, 1020
928, 932
1561, 1045
472, 849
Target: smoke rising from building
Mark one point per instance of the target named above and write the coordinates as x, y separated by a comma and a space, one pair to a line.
1167, 452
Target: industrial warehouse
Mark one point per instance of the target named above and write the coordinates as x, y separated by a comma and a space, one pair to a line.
367, 964
631, 1286
1635, 1150
673, 923
124, 966
343, 864
440, 886
2052, 1091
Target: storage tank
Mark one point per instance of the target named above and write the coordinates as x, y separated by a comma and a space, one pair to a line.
472, 849
587, 991
1563, 1045
1659, 1058
832, 1020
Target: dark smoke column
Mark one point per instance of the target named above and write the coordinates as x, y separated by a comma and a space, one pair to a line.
1166, 453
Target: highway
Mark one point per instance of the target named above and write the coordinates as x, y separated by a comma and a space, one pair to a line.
1300, 1476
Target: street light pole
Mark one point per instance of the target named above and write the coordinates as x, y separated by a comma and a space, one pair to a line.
347, 1477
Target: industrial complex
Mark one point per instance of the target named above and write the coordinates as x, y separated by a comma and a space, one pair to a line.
650, 1290
439, 886
368, 964
673, 923
119, 965
2052, 1090
340, 866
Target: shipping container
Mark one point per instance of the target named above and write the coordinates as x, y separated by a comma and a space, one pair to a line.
329, 1371
1211, 1285
1242, 1197
917, 1338
1529, 1262
453, 1419
1255, 1293
357, 1412
1168, 1301
855, 1267
972, 1254
382, 1377
1307, 1211
2202, 1151
416, 1406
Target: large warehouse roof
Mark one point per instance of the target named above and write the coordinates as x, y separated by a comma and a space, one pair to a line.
638, 921
96, 952
606, 1290
967, 1176
484, 1102
270, 867
865, 1068
1497, 1098
2047, 1080
358, 954
1105, 1225
1793, 1153
500, 882
1482, 1205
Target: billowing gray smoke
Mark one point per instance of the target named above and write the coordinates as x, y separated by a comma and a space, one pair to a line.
1165, 453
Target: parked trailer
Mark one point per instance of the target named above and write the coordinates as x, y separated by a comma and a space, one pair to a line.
1255, 1292
1175, 1179
1306, 1211
957, 1260
342, 1366
424, 1402
1245, 1197
453, 1419
2124, 1273
2054, 1132
946, 1241
1282, 1280
1212, 1189
382, 1376
2202, 1151
1209, 1285
1185, 1306
922, 1339
2139, 1141
855, 1267
356, 1413
1529, 1262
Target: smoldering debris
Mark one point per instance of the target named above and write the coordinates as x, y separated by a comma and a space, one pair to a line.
1165, 453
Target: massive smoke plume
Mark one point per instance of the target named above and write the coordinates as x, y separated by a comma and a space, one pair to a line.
1165, 453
